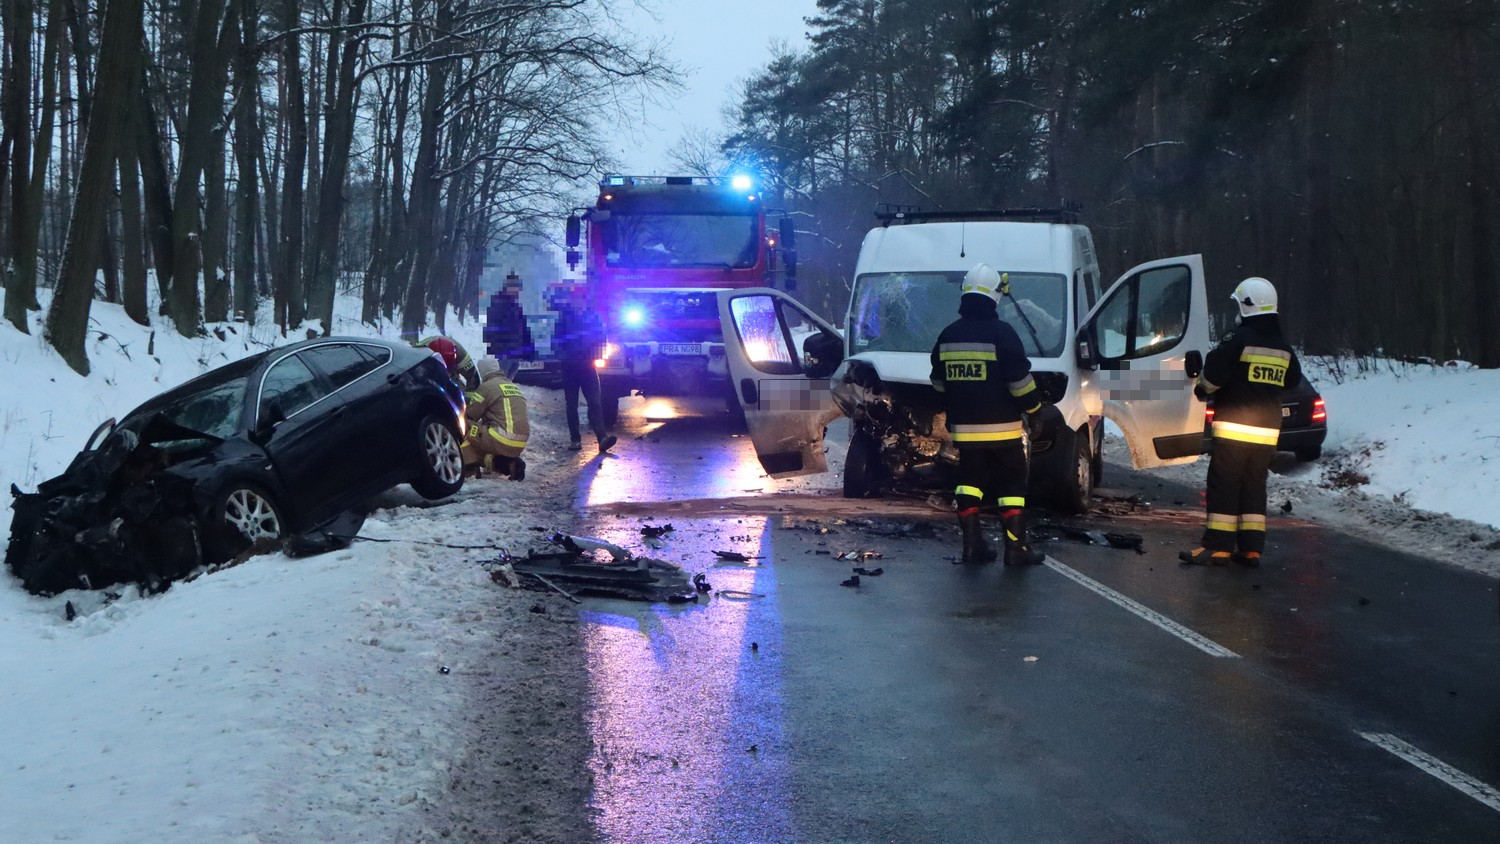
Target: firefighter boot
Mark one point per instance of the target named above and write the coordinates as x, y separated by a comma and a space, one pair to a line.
1017, 547
976, 550
1201, 556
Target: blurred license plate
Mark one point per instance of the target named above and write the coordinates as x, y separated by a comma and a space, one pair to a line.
1286, 411
531, 364
682, 348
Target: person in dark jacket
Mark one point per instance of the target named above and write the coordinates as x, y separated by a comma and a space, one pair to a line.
578, 341
1245, 376
982, 371
506, 335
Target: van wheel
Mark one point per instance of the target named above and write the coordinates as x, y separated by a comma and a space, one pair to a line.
1078, 489
1098, 465
862, 467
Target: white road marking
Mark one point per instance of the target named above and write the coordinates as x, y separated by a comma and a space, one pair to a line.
1198, 641
1431, 765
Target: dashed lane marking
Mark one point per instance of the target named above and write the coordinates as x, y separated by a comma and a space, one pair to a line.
1198, 641
1437, 768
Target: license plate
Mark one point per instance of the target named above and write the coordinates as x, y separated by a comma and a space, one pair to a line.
682, 348
1285, 411
531, 364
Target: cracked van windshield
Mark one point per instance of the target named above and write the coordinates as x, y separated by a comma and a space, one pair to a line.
903, 312
680, 240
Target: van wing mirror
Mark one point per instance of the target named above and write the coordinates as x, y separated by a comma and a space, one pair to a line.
1194, 362
1087, 357
574, 231
822, 354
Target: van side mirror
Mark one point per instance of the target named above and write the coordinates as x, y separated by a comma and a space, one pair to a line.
1194, 363
822, 353
1085, 354
574, 231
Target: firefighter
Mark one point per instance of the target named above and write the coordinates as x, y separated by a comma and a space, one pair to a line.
497, 425
460, 365
1245, 376
984, 376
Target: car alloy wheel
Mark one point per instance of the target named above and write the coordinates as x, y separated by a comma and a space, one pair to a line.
441, 470
252, 516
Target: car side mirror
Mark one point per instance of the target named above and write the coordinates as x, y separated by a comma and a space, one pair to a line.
273, 414
1194, 363
822, 353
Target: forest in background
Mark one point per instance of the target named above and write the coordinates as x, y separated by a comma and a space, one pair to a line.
1346, 150
273, 150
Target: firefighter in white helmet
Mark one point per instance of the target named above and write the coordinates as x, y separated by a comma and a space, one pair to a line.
982, 371
498, 428
1244, 376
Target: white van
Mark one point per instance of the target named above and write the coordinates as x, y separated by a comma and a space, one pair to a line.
1130, 353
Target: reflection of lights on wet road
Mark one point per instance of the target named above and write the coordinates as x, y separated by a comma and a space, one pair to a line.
679, 699
687, 463
659, 410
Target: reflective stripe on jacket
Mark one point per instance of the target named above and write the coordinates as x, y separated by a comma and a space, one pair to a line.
1246, 375
497, 420
984, 376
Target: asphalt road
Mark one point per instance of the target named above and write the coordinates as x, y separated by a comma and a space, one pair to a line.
1341, 692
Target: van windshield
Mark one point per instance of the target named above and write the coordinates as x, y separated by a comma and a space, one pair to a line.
903, 312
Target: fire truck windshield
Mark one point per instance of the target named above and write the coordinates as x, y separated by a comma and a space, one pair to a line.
680, 240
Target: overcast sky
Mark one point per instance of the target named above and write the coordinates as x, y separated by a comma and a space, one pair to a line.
718, 43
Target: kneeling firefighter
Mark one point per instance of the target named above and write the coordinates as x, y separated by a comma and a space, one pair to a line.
984, 375
498, 427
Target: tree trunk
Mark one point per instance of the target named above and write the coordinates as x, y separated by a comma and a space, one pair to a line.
247, 141
289, 305
20, 290
422, 223
132, 251
1481, 199
205, 104
215, 235
156, 188
338, 136
67, 320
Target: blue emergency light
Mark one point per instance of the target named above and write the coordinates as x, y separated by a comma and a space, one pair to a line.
634, 316
741, 182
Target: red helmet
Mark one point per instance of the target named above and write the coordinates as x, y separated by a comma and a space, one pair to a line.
448, 351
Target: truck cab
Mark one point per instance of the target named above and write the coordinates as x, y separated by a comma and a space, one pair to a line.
1130, 352
654, 251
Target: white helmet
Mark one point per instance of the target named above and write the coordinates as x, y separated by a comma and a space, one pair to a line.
487, 367
1255, 296
983, 279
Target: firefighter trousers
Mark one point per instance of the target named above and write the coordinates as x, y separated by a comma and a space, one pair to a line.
991, 473
1236, 496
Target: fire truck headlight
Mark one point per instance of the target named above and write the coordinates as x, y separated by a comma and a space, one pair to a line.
610, 351
634, 316
741, 182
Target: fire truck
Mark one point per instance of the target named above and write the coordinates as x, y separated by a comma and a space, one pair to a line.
655, 249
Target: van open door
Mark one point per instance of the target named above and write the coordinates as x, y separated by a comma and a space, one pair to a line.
1146, 339
780, 357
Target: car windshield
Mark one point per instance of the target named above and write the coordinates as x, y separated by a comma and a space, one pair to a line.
680, 240
904, 312
214, 411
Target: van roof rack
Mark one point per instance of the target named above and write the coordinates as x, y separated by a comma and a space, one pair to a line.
888, 213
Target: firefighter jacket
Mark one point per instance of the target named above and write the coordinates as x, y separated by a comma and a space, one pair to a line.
1245, 376
984, 375
497, 422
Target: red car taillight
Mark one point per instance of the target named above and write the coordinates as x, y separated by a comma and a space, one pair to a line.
1319, 413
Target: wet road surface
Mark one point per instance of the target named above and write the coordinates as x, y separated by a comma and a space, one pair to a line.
1342, 692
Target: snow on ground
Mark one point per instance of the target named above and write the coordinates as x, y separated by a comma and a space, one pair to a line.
292, 700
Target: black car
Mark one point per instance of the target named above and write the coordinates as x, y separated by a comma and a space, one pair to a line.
265, 448
1304, 421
